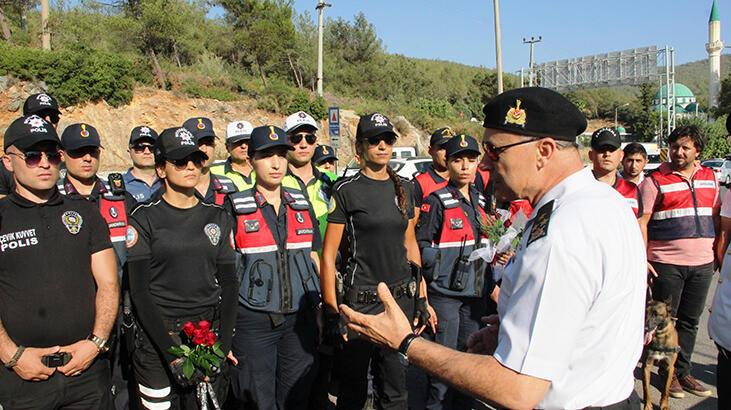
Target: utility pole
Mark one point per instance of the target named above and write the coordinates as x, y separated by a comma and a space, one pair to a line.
498, 49
531, 73
45, 34
321, 27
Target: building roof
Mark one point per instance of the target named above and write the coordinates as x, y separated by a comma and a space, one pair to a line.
680, 91
714, 13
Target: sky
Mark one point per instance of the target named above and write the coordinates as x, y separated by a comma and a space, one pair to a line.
463, 30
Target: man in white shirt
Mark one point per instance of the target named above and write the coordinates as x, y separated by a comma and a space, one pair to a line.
571, 308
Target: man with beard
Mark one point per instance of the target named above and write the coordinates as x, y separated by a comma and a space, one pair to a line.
605, 156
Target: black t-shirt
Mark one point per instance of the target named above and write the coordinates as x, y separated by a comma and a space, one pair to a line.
7, 182
184, 246
47, 290
374, 227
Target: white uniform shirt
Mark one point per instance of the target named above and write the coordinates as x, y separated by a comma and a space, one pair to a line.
719, 322
572, 302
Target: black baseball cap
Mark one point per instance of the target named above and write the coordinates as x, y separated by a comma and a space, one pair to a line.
323, 153
142, 132
176, 143
80, 135
36, 103
460, 144
440, 136
373, 124
27, 131
605, 137
268, 136
200, 127
534, 112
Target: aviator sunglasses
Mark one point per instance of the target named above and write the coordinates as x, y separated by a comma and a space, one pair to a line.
180, 164
297, 138
139, 148
33, 158
389, 139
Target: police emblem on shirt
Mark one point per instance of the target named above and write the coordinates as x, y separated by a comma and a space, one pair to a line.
456, 223
130, 237
540, 223
331, 205
72, 221
251, 225
298, 216
213, 232
113, 212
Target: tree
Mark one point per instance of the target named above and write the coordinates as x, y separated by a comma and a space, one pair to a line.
714, 132
644, 118
724, 98
483, 89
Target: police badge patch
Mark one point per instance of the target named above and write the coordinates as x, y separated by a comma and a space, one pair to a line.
130, 238
251, 226
213, 232
456, 223
72, 221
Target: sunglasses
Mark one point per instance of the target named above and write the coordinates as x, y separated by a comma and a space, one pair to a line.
33, 158
389, 139
181, 164
493, 153
84, 151
297, 138
139, 148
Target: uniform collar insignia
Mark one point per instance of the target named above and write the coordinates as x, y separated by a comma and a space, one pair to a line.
540, 223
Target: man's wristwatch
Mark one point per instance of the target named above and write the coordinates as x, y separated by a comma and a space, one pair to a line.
403, 348
101, 344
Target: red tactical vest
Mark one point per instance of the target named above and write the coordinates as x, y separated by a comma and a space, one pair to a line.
222, 186
428, 184
631, 193
683, 209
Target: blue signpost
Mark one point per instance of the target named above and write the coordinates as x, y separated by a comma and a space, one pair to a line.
333, 119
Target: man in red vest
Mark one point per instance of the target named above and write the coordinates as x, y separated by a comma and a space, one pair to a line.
435, 176
679, 223
605, 156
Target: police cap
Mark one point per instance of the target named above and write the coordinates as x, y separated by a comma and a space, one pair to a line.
80, 135
462, 144
176, 143
440, 136
27, 131
323, 153
142, 132
605, 137
36, 103
266, 137
534, 112
371, 125
200, 127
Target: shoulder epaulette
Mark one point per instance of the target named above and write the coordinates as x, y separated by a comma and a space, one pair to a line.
447, 198
227, 185
296, 199
243, 202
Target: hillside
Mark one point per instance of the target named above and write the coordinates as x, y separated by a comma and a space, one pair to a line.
695, 76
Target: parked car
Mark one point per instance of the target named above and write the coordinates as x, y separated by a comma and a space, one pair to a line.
722, 169
653, 162
403, 152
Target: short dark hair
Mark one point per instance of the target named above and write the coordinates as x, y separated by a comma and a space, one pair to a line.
691, 131
635, 148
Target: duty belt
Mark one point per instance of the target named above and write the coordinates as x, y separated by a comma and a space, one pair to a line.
370, 296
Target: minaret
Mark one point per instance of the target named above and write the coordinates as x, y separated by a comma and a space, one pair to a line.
714, 48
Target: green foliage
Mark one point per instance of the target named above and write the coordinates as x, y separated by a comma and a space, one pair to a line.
73, 76
216, 93
724, 98
644, 119
435, 108
714, 131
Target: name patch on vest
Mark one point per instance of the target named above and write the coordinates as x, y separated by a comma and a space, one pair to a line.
456, 223
251, 226
704, 184
304, 231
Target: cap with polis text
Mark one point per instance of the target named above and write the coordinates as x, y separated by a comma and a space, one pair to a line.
605, 137
200, 127
462, 144
534, 112
440, 136
27, 131
266, 137
36, 103
371, 125
238, 131
142, 132
176, 143
80, 135
298, 120
323, 153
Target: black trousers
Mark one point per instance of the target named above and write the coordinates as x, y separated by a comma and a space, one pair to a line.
723, 378
687, 288
89, 390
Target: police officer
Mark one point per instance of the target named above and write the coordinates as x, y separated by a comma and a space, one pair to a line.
562, 339
301, 131
44, 106
324, 159
277, 236
6, 181
606, 155
449, 229
374, 210
211, 188
436, 174
181, 268
59, 286
237, 167
141, 180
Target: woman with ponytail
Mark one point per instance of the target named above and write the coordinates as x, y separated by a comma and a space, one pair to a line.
375, 211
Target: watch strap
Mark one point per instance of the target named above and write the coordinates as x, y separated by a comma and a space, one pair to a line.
14, 360
404, 346
101, 343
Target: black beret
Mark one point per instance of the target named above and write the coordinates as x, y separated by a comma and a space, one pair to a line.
534, 112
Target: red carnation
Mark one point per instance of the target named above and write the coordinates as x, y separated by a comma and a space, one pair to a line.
199, 337
204, 325
188, 329
210, 339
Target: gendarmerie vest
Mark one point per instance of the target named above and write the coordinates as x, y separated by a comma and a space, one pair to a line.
631, 194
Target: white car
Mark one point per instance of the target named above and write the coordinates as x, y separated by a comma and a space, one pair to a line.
720, 167
653, 162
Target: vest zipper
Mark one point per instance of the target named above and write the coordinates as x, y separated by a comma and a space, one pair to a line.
285, 281
695, 209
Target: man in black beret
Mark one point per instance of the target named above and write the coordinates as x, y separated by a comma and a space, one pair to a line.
562, 339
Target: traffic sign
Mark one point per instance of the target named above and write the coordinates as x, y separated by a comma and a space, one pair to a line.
333, 119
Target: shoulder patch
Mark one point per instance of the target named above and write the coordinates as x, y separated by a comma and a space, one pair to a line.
331, 205
425, 207
540, 223
131, 236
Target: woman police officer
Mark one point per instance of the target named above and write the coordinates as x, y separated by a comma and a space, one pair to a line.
449, 229
276, 233
181, 268
375, 210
